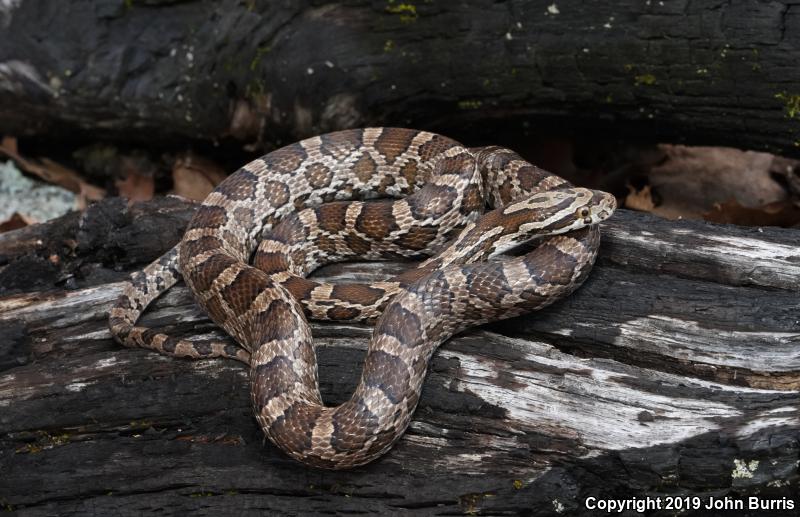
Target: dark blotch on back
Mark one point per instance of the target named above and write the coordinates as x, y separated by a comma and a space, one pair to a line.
330, 216
550, 265
432, 201
209, 216
208, 271
417, 237
361, 294
276, 322
353, 425
293, 430
289, 231
271, 262
376, 220
243, 290
283, 161
436, 145
198, 246
487, 282
272, 379
342, 313
239, 186
340, 143
394, 142
388, 373
402, 324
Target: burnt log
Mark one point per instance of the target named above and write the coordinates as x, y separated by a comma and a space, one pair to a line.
673, 371
270, 72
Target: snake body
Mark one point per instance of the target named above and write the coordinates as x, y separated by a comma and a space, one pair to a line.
293, 210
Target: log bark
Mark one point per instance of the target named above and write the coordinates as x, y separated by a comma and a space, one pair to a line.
704, 72
673, 371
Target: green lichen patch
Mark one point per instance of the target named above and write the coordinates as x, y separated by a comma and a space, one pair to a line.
44, 441
469, 104
406, 11
260, 52
470, 503
644, 79
791, 103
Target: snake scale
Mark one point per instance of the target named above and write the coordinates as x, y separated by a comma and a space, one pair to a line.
311, 203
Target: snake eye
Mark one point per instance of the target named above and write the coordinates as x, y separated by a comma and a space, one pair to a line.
584, 212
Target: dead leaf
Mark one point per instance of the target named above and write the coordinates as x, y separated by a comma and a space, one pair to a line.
779, 213
135, 185
691, 180
641, 200
9, 143
15, 222
194, 177
53, 172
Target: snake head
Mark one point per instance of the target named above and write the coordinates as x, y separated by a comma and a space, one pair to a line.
598, 207
546, 213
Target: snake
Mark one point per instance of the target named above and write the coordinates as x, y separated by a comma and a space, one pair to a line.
365, 194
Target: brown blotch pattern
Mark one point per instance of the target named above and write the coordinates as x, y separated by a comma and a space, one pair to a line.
376, 220
402, 324
550, 265
340, 144
318, 175
244, 216
432, 201
294, 429
472, 201
357, 244
342, 313
388, 373
435, 146
276, 322
198, 246
300, 287
284, 160
418, 237
385, 184
357, 293
392, 143
409, 172
277, 193
272, 379
331, 216
364, 168
243, 290
209, 271
208, 216
239, 186
271, 262
348, 437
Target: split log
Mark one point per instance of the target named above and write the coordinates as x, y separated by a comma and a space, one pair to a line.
673, 371
710, 72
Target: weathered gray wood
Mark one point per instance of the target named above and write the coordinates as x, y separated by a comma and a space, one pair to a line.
656, 378
706, 71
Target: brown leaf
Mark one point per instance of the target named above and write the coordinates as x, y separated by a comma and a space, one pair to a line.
779, 213
194, 177
15, 222
691, 180
9, 143
52, 172
135, 185
641, 200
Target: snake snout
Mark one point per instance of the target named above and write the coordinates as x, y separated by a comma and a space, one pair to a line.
602, 206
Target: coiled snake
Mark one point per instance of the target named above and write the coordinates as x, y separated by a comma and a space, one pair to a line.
292, 211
